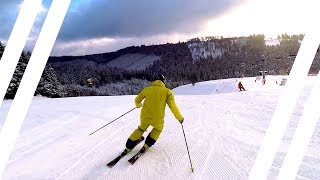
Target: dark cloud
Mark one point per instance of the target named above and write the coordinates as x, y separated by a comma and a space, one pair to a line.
137, 20
128, 18
9, 10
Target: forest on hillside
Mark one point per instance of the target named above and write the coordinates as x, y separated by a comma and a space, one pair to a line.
67, 76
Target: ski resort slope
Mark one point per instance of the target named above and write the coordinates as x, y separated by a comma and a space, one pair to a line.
224, 130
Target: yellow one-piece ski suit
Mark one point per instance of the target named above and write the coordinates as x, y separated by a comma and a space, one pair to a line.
155, 99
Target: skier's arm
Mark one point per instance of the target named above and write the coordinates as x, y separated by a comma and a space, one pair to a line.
173, 107
139, 98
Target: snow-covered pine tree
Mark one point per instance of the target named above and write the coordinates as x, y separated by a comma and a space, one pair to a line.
48, 86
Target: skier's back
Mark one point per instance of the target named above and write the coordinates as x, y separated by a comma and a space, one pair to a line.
240, 86
152, 114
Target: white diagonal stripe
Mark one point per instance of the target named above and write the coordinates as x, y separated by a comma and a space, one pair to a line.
303, 134
16, 43
31, 78
309, 118
284, 109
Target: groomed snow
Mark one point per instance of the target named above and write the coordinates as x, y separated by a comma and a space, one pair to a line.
224, 129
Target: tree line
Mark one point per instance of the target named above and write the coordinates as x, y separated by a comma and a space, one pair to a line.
62, 78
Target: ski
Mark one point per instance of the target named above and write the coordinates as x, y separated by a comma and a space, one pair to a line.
124, 153
136, 156
117, 159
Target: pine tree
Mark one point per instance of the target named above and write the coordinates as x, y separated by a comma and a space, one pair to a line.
48, 86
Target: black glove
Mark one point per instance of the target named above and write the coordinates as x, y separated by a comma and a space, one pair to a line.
181, 121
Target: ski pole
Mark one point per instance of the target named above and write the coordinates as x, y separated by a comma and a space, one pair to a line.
191, 168
112, 121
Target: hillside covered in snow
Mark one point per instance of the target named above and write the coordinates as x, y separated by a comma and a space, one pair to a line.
224, 130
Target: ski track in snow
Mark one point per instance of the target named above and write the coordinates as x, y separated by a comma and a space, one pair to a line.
47, 129
85, 157
208, 163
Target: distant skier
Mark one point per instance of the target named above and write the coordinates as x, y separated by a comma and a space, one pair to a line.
155, 97
240, 86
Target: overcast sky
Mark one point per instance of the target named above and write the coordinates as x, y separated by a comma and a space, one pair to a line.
96, 26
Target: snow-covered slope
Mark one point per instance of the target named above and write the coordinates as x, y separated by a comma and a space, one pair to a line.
204, 50
229, 86
223, 131
133, 61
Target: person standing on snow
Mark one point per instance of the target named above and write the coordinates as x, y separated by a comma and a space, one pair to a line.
240, 86
155, 97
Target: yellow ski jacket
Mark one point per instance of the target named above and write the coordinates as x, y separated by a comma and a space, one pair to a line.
155, 98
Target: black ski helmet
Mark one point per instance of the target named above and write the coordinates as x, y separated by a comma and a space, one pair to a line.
160, 77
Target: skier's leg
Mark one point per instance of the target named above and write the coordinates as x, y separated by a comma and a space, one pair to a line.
154, 135
136, 135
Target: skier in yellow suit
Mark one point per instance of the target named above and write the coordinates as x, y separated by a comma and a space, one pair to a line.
155, 97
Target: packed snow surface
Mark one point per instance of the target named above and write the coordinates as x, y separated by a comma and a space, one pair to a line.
224, 130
